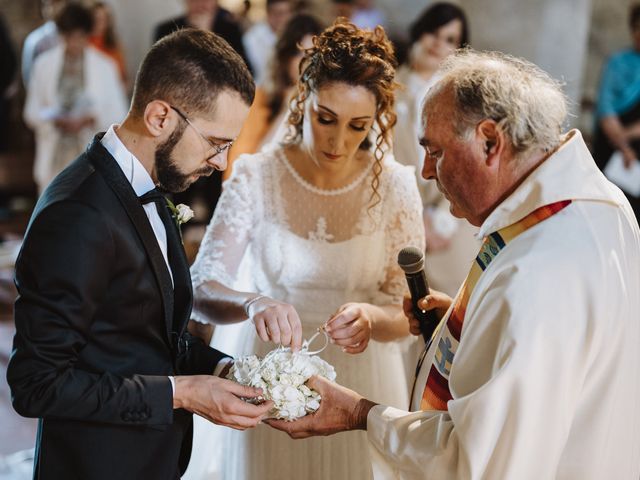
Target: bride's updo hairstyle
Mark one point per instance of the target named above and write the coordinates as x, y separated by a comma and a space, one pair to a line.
347, 54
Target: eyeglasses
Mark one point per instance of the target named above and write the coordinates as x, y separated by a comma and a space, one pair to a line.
434, 156
218, 148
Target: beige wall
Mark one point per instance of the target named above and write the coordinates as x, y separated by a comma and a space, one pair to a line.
551, 33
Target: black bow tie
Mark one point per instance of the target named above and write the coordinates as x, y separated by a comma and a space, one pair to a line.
153, 195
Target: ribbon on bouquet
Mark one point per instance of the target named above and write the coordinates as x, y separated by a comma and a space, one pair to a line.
305, 346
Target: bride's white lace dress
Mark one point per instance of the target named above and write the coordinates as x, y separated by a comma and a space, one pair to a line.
315, 249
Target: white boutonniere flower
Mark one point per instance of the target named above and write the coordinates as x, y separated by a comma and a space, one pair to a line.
181, 213
281, 376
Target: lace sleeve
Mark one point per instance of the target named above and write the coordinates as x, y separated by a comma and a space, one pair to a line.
228, 235
403, 227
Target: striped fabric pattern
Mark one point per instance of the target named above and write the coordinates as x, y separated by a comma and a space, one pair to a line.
436, 394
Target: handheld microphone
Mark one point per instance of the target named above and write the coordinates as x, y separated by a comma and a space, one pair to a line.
411, 260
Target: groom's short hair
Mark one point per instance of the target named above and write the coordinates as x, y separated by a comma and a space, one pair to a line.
188, 69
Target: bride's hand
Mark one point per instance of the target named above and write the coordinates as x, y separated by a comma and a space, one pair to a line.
350, 327
277, 322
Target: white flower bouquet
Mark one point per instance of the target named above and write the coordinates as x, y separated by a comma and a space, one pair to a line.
282, 375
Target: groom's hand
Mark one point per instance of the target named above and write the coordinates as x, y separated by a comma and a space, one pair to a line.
340, 409
219, 401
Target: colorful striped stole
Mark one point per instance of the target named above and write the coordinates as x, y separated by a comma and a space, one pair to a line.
436, 393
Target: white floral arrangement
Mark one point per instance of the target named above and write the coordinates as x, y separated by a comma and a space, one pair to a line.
282, 375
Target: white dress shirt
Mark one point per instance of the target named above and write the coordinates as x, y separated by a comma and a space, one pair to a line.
546, 378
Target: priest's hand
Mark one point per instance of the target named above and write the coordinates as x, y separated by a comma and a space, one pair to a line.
340, 410
435, 300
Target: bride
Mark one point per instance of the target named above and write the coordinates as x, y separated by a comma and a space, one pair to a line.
318, 222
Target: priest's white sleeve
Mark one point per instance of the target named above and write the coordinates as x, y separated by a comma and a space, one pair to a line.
405, 445
526, 351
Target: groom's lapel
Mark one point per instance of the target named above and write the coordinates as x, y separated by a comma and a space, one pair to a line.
181, 279
183, 294
113, 175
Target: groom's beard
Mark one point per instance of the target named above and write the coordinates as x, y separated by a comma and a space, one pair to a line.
170, 178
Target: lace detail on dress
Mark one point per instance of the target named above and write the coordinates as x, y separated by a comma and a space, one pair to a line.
320, 191
213, 264
227, 236
320, 234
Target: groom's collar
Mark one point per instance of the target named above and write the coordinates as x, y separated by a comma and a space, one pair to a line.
132, 168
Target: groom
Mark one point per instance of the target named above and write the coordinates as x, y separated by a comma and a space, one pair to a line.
101, 354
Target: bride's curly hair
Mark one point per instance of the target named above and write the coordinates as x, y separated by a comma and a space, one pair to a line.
345, 53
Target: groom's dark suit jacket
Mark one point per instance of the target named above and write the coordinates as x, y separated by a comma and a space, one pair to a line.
99, 327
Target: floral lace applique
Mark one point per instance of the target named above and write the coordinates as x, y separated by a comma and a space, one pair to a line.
321, 234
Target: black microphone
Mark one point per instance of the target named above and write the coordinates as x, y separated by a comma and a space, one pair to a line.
411, 260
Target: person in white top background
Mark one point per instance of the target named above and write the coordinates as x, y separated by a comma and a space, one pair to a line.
42, 38
73, 89
534, 371
434, 35
259, 41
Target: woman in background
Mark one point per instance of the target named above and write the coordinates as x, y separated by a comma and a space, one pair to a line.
618, 114
74, 91
103, 37
451, 246
266, 120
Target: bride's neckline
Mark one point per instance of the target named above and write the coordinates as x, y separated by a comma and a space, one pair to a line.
323, 191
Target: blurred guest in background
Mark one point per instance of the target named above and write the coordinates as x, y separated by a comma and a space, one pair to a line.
242, 16
437, 32
8, 67
260, 39
618, 112
202, 196
42, 38
104, 37
74, 90
206, 15
343, 8
366, 15
266, 121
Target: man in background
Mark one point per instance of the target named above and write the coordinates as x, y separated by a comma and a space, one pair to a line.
42, 38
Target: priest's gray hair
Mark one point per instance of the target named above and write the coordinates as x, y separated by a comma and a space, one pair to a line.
528, 105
